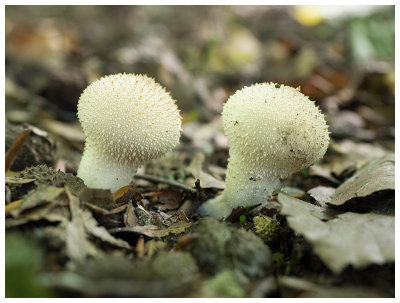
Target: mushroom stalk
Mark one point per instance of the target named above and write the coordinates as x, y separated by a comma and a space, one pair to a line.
245, 185
102, 171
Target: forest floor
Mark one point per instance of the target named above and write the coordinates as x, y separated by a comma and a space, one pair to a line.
328, 231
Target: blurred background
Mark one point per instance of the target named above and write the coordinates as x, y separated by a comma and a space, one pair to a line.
342, 57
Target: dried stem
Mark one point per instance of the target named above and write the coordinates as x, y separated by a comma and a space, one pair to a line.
165, 181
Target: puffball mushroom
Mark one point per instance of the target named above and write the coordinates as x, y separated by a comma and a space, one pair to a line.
273, 131
128, 120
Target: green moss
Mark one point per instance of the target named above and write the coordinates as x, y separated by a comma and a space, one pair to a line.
266, 227
223, 285
221, 246
44, 175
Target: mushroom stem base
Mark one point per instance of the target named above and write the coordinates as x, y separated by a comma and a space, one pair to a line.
244, 187
98, 171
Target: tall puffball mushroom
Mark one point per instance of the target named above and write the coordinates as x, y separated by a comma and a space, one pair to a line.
127, 120
273, 131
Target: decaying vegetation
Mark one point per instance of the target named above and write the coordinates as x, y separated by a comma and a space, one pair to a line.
328, 232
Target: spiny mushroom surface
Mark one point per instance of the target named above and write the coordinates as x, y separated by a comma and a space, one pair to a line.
128, 120
273, 131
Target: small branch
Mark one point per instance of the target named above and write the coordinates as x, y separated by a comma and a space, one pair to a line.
165, 181
15, 148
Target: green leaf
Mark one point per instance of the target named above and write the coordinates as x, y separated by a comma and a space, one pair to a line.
23, 260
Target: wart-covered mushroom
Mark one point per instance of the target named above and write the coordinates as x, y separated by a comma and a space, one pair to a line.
273, 131
128, 120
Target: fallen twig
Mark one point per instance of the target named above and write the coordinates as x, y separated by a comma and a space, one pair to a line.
15, 148
165, 181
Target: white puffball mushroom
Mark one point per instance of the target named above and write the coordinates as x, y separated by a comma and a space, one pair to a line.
128, 120
273, 131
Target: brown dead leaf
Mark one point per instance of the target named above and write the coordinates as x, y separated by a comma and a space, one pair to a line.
127, 193
122, 191
271, 209
167, 200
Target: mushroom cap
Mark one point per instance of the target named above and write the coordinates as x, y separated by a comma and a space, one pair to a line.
129, 118
274, 128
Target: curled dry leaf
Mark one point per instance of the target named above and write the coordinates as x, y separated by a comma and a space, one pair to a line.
127, 193
378, 175
345, 238
77, 244
130, 218
83, 225
323, 171
322, 194
100, 232
17, 180
47, 202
